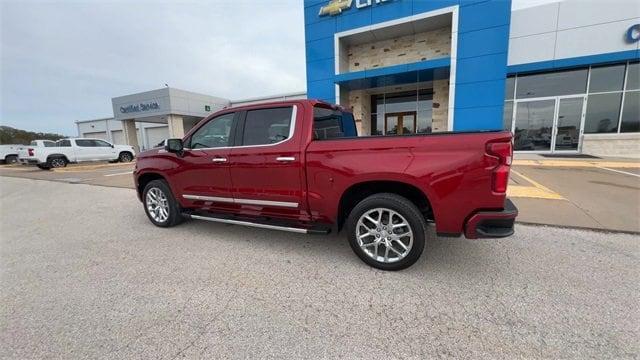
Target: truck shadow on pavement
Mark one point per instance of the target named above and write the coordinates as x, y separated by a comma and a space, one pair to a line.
440, 254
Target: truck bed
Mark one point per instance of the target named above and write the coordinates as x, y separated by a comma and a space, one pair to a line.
451, 168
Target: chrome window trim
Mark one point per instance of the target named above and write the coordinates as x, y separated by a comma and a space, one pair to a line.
241, 201
294, 114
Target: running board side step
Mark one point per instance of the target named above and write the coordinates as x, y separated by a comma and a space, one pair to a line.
299, 230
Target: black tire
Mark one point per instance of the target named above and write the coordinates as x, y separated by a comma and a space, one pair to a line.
125, 156
57, 162
11, 159
401, 206
174, 217
43, 167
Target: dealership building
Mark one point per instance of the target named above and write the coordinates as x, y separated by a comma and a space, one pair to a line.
564, 77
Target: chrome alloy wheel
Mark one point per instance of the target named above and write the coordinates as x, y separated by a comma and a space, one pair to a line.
384, 235
157, 205
58, 162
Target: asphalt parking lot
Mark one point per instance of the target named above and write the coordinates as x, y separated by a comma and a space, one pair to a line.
85, 275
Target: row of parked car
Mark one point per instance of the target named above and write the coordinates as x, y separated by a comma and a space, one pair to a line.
47, 154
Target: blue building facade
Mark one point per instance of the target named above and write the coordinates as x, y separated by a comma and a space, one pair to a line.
474, 69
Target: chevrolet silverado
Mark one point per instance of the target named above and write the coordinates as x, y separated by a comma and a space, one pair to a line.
299, 166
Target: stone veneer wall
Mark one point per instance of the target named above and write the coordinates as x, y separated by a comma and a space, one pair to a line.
360, 103
440, 113
402, 50
622, 145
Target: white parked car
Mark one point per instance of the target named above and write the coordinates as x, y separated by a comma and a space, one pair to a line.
9, 153
75, 150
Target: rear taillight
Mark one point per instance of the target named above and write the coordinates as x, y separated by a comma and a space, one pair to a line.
30, 151
503, 152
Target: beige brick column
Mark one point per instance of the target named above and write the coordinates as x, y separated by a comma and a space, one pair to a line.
440, 120
360, 103
130, 134
176, 126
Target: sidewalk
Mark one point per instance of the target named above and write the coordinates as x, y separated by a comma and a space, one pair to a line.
577, 192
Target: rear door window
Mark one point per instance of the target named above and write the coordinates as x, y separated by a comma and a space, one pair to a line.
64, 143
85, 143
101, 143
267, 126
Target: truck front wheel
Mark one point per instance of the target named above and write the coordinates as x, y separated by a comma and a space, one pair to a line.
386, 231
160, 205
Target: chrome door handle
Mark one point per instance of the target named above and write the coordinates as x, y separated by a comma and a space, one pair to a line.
219, 160
286, 158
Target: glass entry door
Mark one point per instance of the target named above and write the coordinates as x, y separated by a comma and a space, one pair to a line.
568, 124
400, 123
548, 125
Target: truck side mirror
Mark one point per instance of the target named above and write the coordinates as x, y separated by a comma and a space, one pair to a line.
174, 146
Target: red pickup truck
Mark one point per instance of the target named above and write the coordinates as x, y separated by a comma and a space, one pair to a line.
299, 166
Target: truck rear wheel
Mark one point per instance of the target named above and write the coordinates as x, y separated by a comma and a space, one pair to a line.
11, 159
57, 162
386, 231
159, 204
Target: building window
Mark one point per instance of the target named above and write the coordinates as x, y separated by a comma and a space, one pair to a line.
631, 112
510, 88
508, 115
606, 78
633, 77
552, 84
613, 103
402, 113
603, 112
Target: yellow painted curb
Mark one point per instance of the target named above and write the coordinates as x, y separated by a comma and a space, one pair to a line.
578, 163
536, 191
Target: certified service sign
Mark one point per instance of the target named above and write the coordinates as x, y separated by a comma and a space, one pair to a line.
139, 107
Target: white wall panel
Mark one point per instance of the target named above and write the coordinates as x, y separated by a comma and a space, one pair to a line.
117, 137
592, 40
534, 20
580, 13
531, 49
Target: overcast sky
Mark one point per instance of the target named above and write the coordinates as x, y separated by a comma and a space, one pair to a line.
62, 61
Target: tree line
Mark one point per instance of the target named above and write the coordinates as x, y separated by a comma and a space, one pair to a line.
9, 135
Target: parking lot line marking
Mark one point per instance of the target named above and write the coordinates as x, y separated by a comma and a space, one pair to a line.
618, 171
118, 174
537, 191
531, 192
577, 163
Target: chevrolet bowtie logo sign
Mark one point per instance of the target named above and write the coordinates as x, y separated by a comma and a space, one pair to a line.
335, 7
